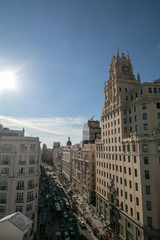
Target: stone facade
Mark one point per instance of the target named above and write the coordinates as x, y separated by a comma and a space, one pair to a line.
128, 155
19, 174
84, 171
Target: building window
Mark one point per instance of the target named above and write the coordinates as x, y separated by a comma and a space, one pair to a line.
29, 207
19, 208
149, 90
147, 175
129, 169
141, 91
5, 171
136, 186
144, 116
33, 147
31, 169
158, 105
3, 197
21, 170
19, 197
135, 172
126, 208
125, 182
130, 184
131, 211
148, 190
148, 205
135, 118
23, 147
145, 148
155, 90
20, 184
149, 220
138, 217
3, 185
144, 106
131, 198
120, 89
145, 160
2, 210
145, 126
137, 201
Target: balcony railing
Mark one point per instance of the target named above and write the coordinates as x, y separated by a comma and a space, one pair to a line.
19, 201
4, 188
3, 201
5, 162
32, 162
22, 163
30, 199
20, 187
31, 186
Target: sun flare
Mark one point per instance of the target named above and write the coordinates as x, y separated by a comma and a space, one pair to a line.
7, 80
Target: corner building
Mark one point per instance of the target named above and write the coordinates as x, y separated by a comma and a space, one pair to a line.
19, 174
128, 155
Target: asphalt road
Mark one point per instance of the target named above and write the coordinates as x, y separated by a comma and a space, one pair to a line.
49, 221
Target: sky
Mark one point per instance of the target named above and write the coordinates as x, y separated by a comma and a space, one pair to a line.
59, 53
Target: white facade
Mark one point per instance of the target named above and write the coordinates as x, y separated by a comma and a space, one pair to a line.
19, 175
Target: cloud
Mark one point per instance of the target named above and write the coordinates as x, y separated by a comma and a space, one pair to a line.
48, 130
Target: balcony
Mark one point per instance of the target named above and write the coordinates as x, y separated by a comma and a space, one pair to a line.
5, 162
20, 188
30, 199
32, 162
22, 163
3, 188
31, 186
3, 201
19, 201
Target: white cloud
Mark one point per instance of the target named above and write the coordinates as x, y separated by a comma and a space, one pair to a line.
48, 130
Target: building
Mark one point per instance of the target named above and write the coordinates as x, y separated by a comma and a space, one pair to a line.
56, 154
47, 155
67, 161
85, 172
19, 174
128, 155
16, 227
91, 131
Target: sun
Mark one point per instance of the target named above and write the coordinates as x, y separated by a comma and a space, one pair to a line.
7, 80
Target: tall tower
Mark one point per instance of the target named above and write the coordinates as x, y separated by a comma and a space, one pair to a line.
128, 155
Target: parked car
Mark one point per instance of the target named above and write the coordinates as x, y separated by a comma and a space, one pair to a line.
82, 224
71, 231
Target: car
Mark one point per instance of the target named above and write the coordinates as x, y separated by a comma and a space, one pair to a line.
65, 215
71, 231
82, 224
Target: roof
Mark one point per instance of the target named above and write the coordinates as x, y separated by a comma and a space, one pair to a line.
19, 220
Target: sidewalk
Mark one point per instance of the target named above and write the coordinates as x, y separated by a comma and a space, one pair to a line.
90, 216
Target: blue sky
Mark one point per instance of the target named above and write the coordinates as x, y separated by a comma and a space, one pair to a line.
61, 51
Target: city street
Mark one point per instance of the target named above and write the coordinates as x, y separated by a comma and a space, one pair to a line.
53, 224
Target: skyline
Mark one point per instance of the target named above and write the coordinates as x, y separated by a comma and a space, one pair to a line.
60, 53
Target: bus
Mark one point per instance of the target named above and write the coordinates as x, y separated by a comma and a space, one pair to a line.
57, 206
73, 204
